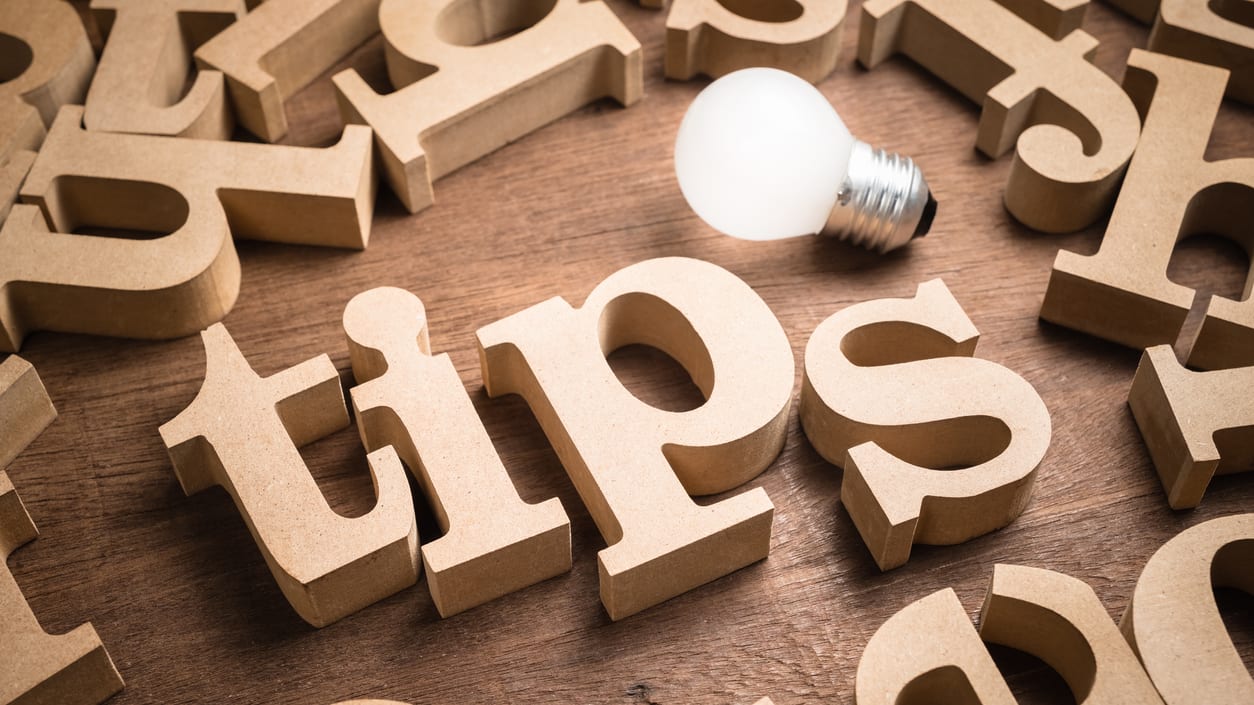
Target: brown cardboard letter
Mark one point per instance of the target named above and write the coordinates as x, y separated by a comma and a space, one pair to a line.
199, 191
635, 465
1122, 293
244, 432
892, 394
281, 47
494, 543
716, 37
461, 95
1075, 129
1173, 622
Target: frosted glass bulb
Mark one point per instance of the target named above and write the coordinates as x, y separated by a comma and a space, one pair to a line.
762, 155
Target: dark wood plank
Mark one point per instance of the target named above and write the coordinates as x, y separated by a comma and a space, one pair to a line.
187, 608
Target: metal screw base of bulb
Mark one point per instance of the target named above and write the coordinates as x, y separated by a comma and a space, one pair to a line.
883, 203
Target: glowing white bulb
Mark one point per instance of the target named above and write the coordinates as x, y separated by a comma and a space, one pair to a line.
762, 155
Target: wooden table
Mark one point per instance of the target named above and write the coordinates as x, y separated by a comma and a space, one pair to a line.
186, 606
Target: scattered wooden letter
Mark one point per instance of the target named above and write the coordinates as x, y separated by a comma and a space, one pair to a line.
635, 465
1057, 18
1195, 424
463, 91
1122, 293
494, 543
929, 652
281, 47
244, 432
892, 394
71, 669
1074, 127
1060, 620
138, 87
716, 37
1216, 32
13, 172
25, 409
1172, 620
58, 67
199, 191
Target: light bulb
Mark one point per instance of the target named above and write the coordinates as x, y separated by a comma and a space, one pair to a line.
762, 155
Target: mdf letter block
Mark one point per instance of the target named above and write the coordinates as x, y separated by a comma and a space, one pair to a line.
39, 668
13, 172
494, 543
25, 409
1074, 127
929, 652
892, 394
148, 50
281, 47
244, 432
708, 37
635, 465
200, 192
47, 61
1195, 424
1059, 619
1173, 622
1216, 32
1143, 11
1122, 293
463, 91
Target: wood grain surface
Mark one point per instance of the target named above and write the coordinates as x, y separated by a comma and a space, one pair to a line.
182, 598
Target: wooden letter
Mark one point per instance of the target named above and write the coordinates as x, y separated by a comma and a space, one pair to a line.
635, 465
46, 62
1216, 32
1059, 619
25, 409
1057, 18
72, 669
494, 543
461, 95
1075, 129
244, 433
144, 66
1173, 622
199, 191
1195, 424
1122, 293
281, 47
1143, 11
929, 652
716, 37
892, 394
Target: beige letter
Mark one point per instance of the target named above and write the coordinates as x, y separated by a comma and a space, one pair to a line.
144, 66
635, 465
243, 432
892, 395
72, 669
198, 191
461, 95
1075, 129
1059, 619
1195, 424
716, 37
951, 665
1122, 293
494, 543
281, 47
1216, 32
1173, 622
